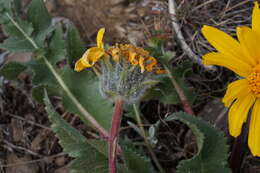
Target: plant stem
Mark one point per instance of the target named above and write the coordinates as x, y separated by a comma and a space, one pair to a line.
185, 103
118, 110
140, 124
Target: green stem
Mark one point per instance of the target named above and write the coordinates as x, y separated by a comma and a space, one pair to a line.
185, 103
87, 115
140, 124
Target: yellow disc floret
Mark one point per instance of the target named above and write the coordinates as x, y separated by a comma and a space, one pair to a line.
135, 56
254, 80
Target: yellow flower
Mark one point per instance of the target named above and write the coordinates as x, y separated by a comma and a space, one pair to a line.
93, 54
242, 56
136, 56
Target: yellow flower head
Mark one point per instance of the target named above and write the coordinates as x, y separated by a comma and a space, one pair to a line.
93, 54
242, 56
125, 72
135, 56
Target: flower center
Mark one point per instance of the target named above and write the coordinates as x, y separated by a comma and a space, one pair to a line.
254, 80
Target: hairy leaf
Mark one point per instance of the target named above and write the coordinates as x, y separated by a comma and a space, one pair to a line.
19, 32
5, 6
212, 149
81, 91
90, 155
38, 92
38, 15
12, 31
85, 87
56, 51
135, 162
41, 73
17, 45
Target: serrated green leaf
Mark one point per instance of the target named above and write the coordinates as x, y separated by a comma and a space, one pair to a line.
85, 87
11, 70
166, 57
17, 45
134, 161
19, 36
5, 6
38, 15
57, 49
75, 46
47, 73
212, 149
91, 155
41, 73
38, 92
10, 6
85, 165
12, 31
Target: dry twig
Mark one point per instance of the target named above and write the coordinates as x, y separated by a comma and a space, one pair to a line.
195, 58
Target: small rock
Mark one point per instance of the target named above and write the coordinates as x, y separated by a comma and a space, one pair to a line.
60, 161
19, 57
64, 169
36, 144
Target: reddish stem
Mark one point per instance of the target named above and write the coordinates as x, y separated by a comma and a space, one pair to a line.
185, 103
114, 135
187, 107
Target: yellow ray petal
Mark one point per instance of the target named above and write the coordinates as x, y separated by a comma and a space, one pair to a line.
152, 63
141, 64
92, 55
234, 90
222, 42
254, 130
100, 36
89, 58
256, 18
79, 66
238, 113
239, 67
249, 42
